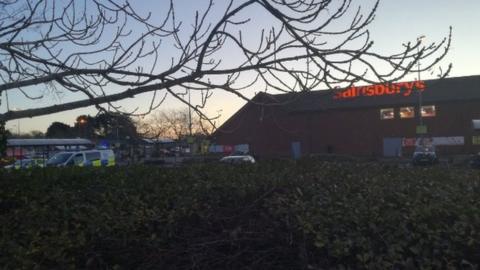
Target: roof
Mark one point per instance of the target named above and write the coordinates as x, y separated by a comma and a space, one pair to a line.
433, 91
159, 140
42, 142
440, 90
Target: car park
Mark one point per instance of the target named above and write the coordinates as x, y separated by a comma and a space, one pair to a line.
238, 159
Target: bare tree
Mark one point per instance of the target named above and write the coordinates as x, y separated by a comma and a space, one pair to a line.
108, 50
174, 124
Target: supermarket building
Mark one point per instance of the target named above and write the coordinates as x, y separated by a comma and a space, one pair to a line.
383, 120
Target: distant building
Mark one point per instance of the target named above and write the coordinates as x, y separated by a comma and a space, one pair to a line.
45, 147
374, 120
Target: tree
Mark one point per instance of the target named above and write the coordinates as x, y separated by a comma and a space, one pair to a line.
4, 135
84, 126
59, 130
104, 125
175, 124
110, 50
34, 134
114, 126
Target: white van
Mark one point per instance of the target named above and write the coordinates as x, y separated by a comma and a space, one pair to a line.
95, 158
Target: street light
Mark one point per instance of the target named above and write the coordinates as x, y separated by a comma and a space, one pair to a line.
82, 121
18, 121
419, 41
189, 114
15, 127
189, 110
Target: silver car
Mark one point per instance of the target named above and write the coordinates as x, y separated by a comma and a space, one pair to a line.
238, 159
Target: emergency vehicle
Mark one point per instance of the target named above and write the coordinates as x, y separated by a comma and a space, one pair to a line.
95, 158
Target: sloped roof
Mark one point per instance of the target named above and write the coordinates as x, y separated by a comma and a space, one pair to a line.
435, 91
441, 90
53, 142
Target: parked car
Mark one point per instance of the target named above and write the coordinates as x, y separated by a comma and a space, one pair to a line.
95, 158
26, 163
475, 161
424, 156
238, 159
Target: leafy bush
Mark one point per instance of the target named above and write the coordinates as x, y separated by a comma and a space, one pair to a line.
279, 215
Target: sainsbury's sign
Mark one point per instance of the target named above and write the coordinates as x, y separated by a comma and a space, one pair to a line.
403, 88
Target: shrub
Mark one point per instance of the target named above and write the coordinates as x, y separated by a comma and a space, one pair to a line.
277, 215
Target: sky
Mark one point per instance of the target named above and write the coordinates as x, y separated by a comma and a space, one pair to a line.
396, 22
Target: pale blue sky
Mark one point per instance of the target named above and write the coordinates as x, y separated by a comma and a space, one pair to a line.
396, 22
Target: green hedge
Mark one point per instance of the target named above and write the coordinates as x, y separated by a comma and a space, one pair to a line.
280, 215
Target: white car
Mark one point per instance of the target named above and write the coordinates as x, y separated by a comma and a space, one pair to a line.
26, 163
238, 159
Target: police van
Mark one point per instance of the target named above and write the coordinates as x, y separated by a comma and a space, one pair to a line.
95, 158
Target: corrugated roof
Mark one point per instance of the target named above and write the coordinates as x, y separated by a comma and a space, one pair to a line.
53, 142
441, 90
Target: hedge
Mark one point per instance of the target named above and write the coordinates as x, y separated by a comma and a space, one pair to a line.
278, 215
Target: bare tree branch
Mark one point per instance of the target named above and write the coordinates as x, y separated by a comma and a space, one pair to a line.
110, 50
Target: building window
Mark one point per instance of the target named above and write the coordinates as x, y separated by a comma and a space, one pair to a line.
407, 112
428, 111
476, 124
387, 113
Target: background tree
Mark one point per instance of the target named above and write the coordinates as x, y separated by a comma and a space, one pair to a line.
4, 134
114, 126
34, 134
175, 124
85, 126
103, 125
111, 51
59, 130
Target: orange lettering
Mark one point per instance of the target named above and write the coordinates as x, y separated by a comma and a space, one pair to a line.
363, 90
389, 89
409, 88
354, 91
370, 91
348, 93
397, 88
420, 85
379, 90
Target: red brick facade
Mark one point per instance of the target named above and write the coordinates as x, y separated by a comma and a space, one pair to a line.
271, 130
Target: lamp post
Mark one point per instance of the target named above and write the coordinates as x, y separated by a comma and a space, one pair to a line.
419, 41
189, 114
81, 123
15, 127
422, 130
189, 111
18, 122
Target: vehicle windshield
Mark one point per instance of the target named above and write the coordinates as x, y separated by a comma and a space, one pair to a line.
59, 158
423, 148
